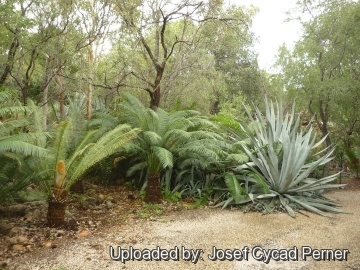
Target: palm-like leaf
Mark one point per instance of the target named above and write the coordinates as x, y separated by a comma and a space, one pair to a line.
169, 137
182, 140
80, 148
17, 141
93, 152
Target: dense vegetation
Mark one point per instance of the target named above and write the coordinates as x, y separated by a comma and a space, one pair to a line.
173, 92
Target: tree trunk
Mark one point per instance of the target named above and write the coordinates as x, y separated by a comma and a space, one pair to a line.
45, 98
214, 109
156, 94
56, 214
10, 60
24, 91
59, 81
153, 188
323, 112
45, 106
90, 87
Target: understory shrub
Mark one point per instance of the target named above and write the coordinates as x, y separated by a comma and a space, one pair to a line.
170, 144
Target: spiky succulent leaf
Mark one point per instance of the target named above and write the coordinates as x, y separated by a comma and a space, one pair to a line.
279, 152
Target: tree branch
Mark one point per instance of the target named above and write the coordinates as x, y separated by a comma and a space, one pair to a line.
148, 50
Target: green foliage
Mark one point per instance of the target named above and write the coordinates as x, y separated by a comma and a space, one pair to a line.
17, 143
14, 128
226, 120
12, 177
171, 196
279, 152
353, 160
149, 210
181, 138
320, 71
80, 147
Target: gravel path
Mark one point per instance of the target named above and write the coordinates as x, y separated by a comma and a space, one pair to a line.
203, 229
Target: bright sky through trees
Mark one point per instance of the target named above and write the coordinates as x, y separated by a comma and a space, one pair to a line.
270, 27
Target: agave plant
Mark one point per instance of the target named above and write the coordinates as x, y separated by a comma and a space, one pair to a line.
180, 138
73, 151
279, 152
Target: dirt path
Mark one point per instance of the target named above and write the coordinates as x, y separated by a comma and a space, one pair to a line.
224, 229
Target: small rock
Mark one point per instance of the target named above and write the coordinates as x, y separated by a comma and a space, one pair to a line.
101, 197
4, 227
84, 233
22, 240
16, 231
47, 244
18, 248
60, 233
109, 205
13, 240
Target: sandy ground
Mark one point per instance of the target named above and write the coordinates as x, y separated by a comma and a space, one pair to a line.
203, 229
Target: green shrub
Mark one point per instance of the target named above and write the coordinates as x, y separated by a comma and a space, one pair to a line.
352, 157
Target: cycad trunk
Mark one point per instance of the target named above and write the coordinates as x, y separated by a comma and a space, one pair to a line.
153, 188
56, 214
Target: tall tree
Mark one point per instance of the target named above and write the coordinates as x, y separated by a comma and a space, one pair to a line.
151, 26
322, 70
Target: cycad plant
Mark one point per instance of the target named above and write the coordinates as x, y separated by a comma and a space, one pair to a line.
279, 171
15, 127
17, 142
73, 150
167, 139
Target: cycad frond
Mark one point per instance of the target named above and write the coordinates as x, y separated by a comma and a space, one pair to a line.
60, 146
164, 156
8, 126
108, 144
22, 147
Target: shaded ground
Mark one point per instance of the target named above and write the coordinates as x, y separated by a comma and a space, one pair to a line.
114, 217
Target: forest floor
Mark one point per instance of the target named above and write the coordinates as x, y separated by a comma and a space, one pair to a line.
113, 217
